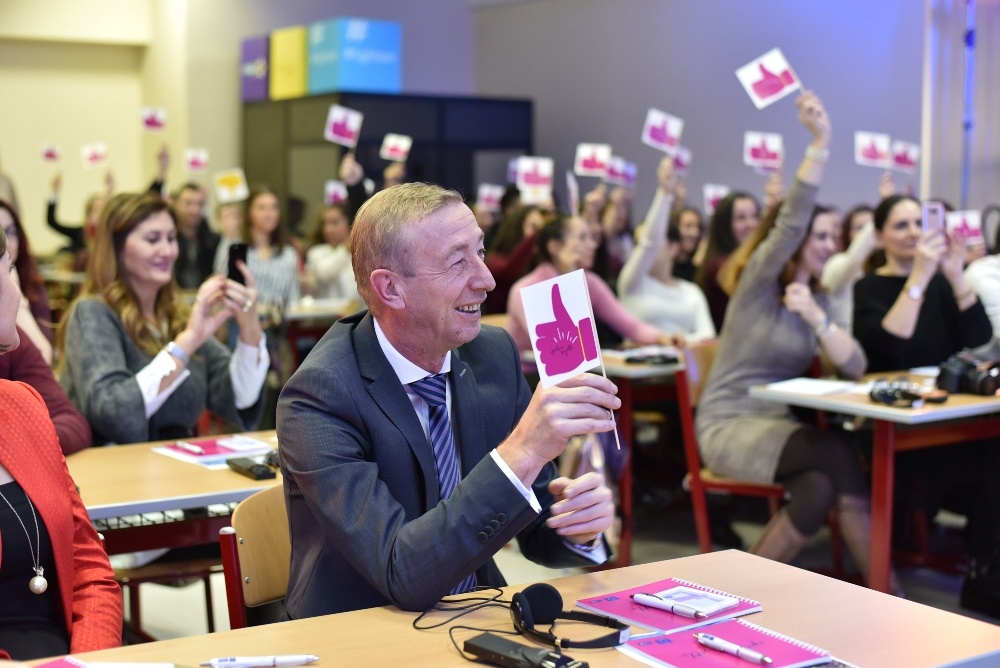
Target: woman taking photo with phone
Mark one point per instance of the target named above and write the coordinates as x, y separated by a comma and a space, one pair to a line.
138, 362
917, 310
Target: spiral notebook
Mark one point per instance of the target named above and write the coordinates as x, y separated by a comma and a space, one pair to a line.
619, 605
681, 650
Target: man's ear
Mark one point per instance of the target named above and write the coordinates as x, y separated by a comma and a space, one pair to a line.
388, 288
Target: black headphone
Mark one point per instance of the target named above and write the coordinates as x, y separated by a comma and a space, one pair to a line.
542, 604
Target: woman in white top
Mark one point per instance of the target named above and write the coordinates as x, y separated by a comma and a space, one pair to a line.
328, 261
844, 269
647, 286
271, 258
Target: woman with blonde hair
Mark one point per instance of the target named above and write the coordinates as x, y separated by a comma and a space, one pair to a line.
140, 363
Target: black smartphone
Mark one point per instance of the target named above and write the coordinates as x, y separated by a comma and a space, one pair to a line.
237, 252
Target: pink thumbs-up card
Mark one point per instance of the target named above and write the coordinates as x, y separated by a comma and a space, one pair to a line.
154, 119
682, 161
488, 197
196, 160
768, 78
395, 147
968, 225
905, 156
662, 131
334, 192
51, 152
94, 155
561, 325
713, 193
534, 179
763, 149
343, 126
871, 149
591, 159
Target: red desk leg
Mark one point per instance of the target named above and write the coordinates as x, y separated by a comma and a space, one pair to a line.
625, 475
883, 472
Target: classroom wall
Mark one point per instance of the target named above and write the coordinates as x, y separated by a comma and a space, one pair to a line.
81, 72
438, 54
594, 68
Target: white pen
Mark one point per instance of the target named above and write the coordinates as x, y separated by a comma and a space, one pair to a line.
721, 645
261, 661
654, 601
190, 447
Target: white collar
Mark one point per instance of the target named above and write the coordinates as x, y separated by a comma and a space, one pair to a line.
406, 371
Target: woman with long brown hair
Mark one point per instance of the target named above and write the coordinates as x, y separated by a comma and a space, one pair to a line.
137, 361
34, 316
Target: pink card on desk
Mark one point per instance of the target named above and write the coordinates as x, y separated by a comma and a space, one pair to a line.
662, 131
620, 605
682, 650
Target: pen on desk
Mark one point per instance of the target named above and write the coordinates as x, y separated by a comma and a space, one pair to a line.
721, 645
261, 661
190, 447
654, 601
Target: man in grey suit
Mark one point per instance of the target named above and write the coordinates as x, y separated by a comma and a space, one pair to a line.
372, 517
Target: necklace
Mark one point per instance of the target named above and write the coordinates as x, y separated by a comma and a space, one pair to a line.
37, 584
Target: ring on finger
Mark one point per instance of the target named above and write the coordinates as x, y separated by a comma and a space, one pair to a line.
247, 304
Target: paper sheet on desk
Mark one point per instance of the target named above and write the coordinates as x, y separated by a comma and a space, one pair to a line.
814, 386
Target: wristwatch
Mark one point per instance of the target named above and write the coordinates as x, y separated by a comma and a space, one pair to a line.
915, 292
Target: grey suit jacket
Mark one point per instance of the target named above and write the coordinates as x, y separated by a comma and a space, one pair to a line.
361, 488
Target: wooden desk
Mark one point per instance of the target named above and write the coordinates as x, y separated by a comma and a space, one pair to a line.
119, 481
855, 624
897, 430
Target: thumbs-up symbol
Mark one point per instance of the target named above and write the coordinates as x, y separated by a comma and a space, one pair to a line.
871, 152
340, 129
770, 83
659, 134
563, 344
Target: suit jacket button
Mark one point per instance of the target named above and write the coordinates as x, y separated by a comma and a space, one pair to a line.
495, 524
489, 531
482, 537
501, 518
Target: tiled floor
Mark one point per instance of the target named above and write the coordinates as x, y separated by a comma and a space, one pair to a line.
661, 533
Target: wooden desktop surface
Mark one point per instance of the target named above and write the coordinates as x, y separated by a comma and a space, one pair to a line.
852, 403
855, 624
132, 479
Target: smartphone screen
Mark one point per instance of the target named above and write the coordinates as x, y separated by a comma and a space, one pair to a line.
932, 216
237, 252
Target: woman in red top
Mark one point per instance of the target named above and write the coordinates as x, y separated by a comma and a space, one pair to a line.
57, 591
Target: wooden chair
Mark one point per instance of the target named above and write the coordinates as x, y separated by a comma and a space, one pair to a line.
690, 380
256, 553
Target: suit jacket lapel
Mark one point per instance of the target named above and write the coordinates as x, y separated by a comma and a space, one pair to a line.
467, 411
388, 393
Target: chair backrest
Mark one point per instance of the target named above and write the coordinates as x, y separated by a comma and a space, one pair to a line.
256, 553
698, 359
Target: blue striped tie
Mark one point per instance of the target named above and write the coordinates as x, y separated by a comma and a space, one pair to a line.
432, 390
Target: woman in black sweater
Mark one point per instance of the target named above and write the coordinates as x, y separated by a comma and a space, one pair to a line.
917, 310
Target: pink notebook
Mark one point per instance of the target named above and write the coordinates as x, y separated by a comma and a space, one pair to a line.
213, 450
620, 605
681, 650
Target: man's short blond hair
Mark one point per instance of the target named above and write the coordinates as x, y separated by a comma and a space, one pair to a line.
379, 237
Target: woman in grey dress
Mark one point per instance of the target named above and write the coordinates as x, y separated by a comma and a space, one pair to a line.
775, 325
140, 363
